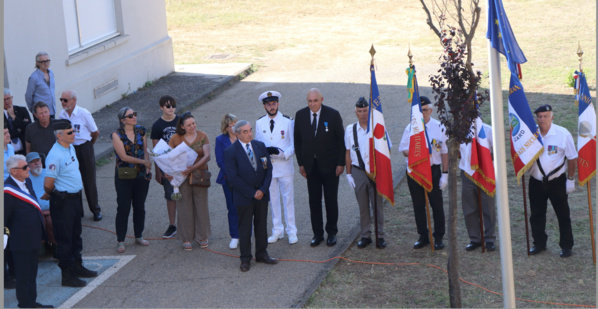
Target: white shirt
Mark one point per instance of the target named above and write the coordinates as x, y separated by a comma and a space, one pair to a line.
280, 137
437, 137
558, 146
21, 185
364, 144
83, 124
465, 162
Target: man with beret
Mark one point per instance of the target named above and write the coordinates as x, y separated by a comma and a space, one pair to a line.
357, 158
437, 137
552, 177
275, 130
63, 188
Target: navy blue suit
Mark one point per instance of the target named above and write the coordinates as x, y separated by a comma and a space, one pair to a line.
26, 225
245, 181
223, 142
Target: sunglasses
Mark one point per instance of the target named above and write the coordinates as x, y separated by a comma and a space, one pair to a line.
130, 116
70, 132
44, 61
21, 168
64, 100
170, 106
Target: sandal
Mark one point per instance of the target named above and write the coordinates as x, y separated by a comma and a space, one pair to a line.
187, 246
203, 244
120, 247
141, 241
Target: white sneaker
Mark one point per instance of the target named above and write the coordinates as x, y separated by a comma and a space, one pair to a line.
272, 239
234, 243
293, 239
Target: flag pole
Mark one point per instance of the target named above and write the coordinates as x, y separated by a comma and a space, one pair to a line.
373, 52
500, 167
525, 212
481, 219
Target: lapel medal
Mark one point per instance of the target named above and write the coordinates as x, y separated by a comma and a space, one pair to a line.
282, 134
326, 126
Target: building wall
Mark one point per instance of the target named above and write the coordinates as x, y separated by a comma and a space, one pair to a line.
142, 52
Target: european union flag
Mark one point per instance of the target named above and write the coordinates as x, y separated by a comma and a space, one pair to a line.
501, 36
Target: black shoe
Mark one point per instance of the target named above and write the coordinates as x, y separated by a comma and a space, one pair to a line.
421, 242
438, 245
364, 242
70, 279
490, 246
38, 305
97, 216
266, 260
472, 246
565, 253
316, 241
380, 243
536, 249
170, 232
83, 272
10, 283
245, 266
331, 241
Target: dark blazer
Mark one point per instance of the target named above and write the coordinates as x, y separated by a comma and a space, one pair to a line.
240, 174
21, 121
25, 221
327, 146
222, 142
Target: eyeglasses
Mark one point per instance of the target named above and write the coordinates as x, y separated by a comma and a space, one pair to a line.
21, 168
130, 116
65, 100
44, 61
7, 98
170, 106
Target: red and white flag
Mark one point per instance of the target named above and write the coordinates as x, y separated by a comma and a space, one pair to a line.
586, 139
480, 168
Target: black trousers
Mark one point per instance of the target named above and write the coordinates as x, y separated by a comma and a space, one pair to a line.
419, 205
87, 167
26, 262
556, 192
316, 181
256, 214
130, 192
66, 219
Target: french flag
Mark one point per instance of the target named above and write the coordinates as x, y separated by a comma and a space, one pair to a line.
418, 161
379, 169
586, 139
481, 169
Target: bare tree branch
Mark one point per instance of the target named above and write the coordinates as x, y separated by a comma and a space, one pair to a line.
429, 19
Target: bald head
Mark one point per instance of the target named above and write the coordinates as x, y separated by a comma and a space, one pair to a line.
314, 100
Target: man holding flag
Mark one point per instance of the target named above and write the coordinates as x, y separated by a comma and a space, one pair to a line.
552, 177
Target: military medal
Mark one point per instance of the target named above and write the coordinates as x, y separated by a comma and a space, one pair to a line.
326, 125
282, 134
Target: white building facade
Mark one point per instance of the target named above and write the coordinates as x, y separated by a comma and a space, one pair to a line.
100, 48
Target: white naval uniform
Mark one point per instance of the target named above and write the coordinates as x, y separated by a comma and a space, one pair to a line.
282, 169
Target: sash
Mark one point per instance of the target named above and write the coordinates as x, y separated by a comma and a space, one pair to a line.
19, 194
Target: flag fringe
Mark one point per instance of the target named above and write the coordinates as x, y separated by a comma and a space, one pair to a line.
528, 165
418, 181
491, 194
583, 183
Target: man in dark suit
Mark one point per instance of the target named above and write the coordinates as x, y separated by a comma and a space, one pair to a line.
16, 119
249, 171
23, 218
320, 151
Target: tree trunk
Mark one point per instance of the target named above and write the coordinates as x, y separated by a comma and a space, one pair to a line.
453, 253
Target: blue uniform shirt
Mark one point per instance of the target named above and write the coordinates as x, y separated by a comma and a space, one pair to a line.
38, 186
62, 165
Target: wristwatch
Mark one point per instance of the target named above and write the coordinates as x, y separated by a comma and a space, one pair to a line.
571, 177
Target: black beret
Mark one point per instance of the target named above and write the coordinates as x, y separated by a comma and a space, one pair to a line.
361, 102
543, 108
61, 124
424, 100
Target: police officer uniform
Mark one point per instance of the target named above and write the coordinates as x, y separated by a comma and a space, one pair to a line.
66, 209
548, 181
277, 134
437, 138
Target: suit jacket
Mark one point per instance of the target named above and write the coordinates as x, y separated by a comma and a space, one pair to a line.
240, 174
222, 142
25, 221
21, 121
327, 147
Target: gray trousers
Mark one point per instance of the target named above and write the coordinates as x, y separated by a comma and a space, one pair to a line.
364, 193
469, 202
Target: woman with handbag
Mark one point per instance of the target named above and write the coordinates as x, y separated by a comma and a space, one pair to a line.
132, 176
222, 142
192, 209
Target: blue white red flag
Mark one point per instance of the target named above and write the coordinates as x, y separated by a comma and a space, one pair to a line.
418, 161
481, 168
586, 139
379, 169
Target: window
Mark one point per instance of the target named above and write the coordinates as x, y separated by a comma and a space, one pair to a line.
88, 22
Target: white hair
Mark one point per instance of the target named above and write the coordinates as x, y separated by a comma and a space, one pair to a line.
13, 161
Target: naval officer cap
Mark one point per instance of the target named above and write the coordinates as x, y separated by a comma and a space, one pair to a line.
424, 100
269, 96
361, 103
61, 124
543, 108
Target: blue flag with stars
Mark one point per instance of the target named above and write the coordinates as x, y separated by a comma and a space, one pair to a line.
501, 36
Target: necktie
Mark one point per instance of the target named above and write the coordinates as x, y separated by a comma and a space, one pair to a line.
314, 124
15, 139
271, 125
250, 155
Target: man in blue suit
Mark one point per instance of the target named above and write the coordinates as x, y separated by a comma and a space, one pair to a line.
249, 171
23, 217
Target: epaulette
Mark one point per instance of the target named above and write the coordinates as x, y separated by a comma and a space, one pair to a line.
262, 117
288, 117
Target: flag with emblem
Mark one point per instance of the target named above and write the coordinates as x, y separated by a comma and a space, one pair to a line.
480, 170
379, 169
526, 142
418, 161
586, 125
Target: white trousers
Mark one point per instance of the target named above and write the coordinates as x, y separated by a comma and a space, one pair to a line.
282, 186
